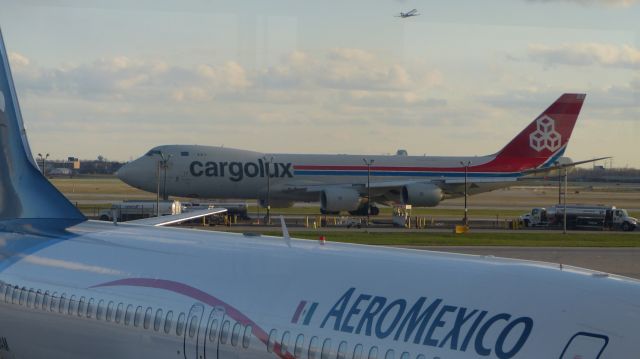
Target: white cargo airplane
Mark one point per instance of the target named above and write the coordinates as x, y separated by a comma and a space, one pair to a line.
76, 289
339, 182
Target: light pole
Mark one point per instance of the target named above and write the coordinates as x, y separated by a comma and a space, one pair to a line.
165, 167
466, 165
44, 162
368, 164
564, 226
162, 163
267, 164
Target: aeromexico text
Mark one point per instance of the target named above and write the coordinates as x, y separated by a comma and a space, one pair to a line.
432, 323
236, 171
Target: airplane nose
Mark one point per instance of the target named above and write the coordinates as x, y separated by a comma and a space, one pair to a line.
122, 173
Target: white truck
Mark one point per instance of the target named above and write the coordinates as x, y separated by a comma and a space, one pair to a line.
130, 210
581, 216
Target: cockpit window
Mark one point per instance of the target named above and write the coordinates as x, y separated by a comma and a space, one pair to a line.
184, 153
152, 153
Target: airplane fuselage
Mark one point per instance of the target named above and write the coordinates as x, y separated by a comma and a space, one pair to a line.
127, 291
218, 172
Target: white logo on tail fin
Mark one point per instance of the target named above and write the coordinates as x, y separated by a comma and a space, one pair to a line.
545, 136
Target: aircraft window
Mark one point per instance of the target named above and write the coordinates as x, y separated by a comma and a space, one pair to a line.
23, 295
184, 153
109, 315
390, 354
128, 315
158, 320
90, 307
421, 356
246, 338
15, 295
7, 293
235, 334
63, 303
284, 343
81, 307
167, 322
224, 332
357, 352
30, 298
71, 309
37, 303
342, 350
193, 326
45, 300
119, 310
153, 152
147, 317
313, 348
180, 324
100, 309
373, 353
137, 318
213, 330
54, 302
405, 355
272, 340
326, 349
297, 349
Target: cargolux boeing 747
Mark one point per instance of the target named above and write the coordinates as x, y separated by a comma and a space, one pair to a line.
77, 289
339, 182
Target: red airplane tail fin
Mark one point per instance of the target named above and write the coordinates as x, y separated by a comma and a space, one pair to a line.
544, 140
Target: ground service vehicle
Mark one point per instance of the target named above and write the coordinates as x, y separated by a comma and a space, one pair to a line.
581, 216
131, 210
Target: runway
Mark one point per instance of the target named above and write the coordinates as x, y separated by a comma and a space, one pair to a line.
621, 261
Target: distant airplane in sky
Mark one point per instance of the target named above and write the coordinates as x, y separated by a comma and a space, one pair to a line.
411, 13
343, 182
71, 288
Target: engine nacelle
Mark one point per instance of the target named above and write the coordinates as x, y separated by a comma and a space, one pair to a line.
339, 199
422, 194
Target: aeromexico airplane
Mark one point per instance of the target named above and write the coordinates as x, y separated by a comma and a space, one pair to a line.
339, 182
72, 288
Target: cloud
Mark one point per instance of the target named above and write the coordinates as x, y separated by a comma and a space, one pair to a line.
616, 3
18, 60
586, 54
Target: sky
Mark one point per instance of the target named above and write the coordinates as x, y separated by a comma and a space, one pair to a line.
117, 78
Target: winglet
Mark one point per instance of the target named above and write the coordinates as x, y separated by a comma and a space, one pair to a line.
28, 201
285, 231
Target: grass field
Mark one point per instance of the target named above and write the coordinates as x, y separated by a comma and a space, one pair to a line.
542, 239
91, 194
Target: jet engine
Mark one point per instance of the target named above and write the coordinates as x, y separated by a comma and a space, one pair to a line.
339, 199
422, 194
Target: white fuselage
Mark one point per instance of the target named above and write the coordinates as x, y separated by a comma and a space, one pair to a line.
104, 291
218, 172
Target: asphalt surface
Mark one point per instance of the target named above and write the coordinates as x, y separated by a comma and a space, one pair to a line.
621, 261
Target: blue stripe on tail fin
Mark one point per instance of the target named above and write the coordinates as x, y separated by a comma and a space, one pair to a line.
28, 201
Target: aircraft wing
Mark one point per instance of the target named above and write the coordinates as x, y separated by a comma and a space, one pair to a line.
177, 218
451, 186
